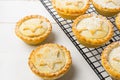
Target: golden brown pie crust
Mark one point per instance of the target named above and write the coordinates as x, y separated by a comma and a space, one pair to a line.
117, 21
91, 42
105, 11
104, 60
70, 13
33, 40
53, 75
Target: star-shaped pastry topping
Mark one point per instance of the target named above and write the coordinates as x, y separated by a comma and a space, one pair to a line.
116, 59
32, 29
108, 1
76, 3
92, 31
50, 58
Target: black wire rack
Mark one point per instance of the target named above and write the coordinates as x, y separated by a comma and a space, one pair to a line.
91, 55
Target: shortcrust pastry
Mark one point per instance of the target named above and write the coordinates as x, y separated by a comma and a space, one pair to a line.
33, 29
50, 61
92, 30
111, 60
70, 9
117, 21
107, 7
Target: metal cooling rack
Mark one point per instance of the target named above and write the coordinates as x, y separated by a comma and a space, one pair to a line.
91, 55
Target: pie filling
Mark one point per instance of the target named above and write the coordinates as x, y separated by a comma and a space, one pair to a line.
108, 3
71, 4
114, 58
93, 27
49, 59
33, 27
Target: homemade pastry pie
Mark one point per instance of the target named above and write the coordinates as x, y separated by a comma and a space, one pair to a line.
117, 21
33, 29
111, 60
70, 9
92, 30
107, 7
50, 61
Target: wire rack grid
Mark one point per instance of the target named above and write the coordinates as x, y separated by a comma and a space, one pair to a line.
91, 55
